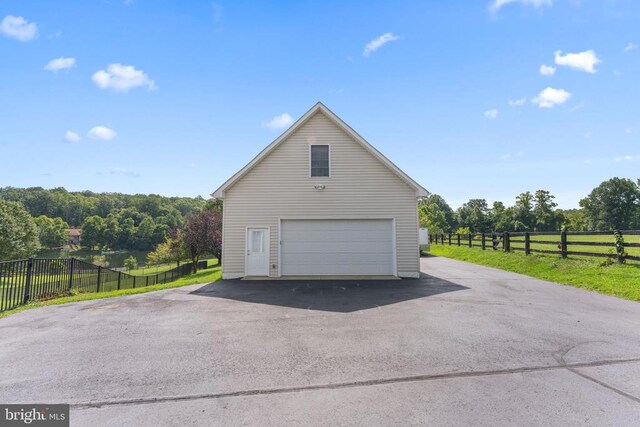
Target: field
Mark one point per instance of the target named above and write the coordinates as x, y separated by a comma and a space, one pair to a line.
573, 243
621, 280
574, 240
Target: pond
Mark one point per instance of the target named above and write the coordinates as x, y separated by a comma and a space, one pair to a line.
113, 259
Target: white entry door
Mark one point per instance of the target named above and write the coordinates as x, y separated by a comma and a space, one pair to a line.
257, 252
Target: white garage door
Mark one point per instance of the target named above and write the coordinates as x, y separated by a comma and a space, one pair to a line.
337, 247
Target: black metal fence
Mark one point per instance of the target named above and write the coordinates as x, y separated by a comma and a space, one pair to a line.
35, 279
605, 244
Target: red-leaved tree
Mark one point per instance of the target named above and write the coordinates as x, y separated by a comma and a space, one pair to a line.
201, 234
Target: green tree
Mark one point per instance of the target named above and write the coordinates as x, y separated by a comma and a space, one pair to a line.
167, 252
522, 213
433, 218
575, 220
214, 205
436, 205
543, 211
112, 232
475, 215
53, 232
614, 204
145, 234
18, 232
500, 217
131, 263
94, 232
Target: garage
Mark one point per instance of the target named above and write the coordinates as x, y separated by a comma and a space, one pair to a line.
358, 247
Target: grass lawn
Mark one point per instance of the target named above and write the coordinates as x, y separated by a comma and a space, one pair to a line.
209, 275
588, 273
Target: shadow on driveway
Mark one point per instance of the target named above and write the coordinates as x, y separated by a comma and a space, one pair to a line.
341, 296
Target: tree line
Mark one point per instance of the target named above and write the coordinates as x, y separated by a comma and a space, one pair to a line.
74, 207
36, 218
107, 220
612, 205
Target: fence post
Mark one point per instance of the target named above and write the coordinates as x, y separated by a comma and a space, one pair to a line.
71, 262
449, 239
458, 239
27, 287
134, 281
563, 244
619, 242
484, 242
506, 243
119, 279
527, 244
99, 278
470, 239
146, 281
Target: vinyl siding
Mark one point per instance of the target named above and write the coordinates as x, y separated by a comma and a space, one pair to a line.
279, 187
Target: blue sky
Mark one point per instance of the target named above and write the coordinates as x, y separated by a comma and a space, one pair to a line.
174, 97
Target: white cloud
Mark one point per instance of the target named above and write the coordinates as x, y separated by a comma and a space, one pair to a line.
547, 70
585, 61
576, 107
518, 102
491, 114
376, 44
630, 46
101, 132
496, 5
61, 63
627, 158
18, 28
71, 136
507, 156
282, 121
218, 11
551, 97
122, 78
627, 131
123, 171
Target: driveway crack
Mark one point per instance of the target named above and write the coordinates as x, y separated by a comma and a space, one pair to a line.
573, 368
364, 383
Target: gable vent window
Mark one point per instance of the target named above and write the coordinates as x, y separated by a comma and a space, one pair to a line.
319, 160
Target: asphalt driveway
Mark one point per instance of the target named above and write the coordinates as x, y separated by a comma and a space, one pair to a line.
463, 345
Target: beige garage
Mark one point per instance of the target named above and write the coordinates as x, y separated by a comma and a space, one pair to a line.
303, 206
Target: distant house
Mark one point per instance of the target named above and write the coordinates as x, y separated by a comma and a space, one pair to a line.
320, 201
75, 236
